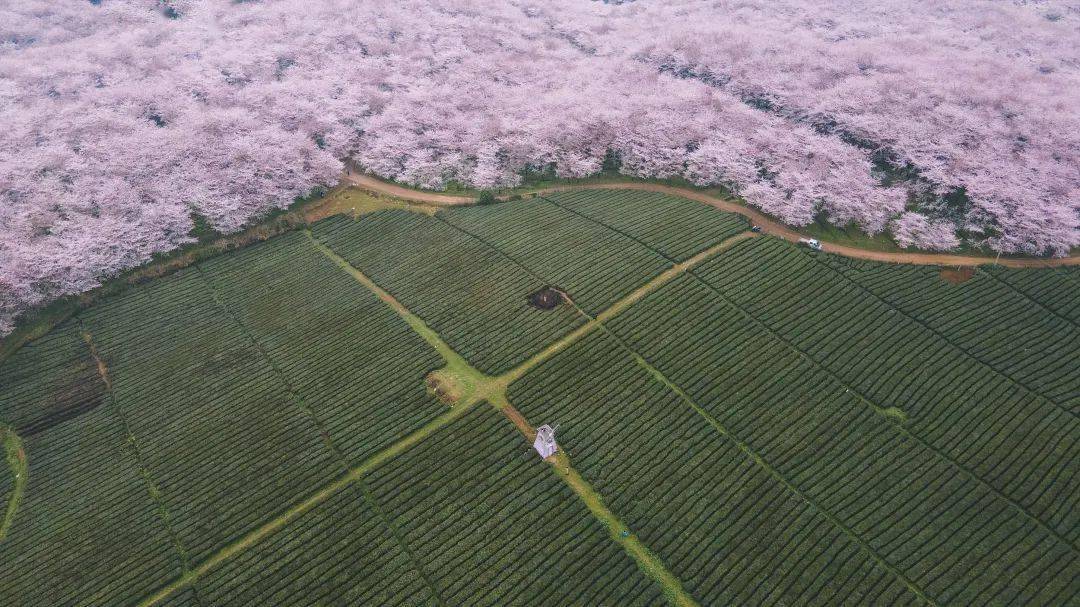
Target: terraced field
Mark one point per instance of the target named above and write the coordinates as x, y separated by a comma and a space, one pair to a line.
741, 422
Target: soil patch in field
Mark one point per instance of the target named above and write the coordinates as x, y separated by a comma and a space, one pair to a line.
445, 386
68, 411
895, 413
957, 275
547, 298
77, 393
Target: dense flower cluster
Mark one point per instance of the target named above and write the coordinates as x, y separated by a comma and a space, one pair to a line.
122, 121
916, 230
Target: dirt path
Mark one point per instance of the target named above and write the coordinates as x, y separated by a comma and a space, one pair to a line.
768, 225
370, 183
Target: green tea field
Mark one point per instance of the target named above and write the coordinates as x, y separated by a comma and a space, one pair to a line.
345, 415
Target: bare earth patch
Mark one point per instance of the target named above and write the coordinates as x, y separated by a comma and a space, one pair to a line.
957, 275
445, 386
547, 298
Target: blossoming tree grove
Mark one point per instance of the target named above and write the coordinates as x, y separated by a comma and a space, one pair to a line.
122, 121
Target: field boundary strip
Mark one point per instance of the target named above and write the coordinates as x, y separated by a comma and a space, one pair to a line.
563, 468
15, 456
885, 412
767, 224
135, 452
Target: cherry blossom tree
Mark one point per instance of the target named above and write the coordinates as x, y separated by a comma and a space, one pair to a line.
122, 122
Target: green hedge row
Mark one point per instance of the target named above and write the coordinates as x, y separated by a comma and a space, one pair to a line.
339, 553
593, 263
908, 500
1017, 330
87, 531
222, 438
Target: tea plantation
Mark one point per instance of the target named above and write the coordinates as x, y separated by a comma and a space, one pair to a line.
343, 415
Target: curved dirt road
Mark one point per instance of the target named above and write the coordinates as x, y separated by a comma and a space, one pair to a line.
768, 225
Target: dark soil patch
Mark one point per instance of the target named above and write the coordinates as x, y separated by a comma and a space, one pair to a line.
76, 396
57, 417
547, 298
444, 386
957, 275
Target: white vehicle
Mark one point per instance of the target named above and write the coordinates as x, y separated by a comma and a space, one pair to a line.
813, 243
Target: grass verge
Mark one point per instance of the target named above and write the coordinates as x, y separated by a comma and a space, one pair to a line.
649, 563
356, 202
16, 461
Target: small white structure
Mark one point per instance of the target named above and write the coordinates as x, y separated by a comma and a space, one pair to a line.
811, 242
545, 441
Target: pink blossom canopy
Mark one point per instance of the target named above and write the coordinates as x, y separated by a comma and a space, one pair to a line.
123, 120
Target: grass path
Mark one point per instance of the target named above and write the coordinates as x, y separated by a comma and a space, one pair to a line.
476, 383
561, 466
297, 510
493, 390
132, 446
768, 224
16, 461
477, 387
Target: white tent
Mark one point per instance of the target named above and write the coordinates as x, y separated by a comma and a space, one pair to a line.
545, 441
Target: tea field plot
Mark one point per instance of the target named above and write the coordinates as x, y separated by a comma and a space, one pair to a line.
747, 424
